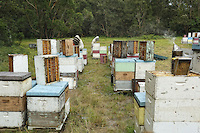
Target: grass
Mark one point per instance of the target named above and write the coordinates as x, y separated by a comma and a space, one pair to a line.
94, 105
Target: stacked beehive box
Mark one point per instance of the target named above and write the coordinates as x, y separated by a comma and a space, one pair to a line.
85, 56
41, 113
96, 51
80, 64
191, 38
172, 103
124, 72
139, 109
13, 88
103, 54
132, 48
69, 69
196, 55
46, 46
16, 61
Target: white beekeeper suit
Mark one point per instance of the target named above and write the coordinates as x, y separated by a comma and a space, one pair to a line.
94, 41
77, 41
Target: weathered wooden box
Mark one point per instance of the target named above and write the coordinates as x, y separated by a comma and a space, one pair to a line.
164, 85
68, 64
103, 58
12, 119
47, 46
132, 47
41, 98
177, 53
121, 85
138, 85
18, 63
124, 76
146, 50
120, 49
13, 103
196, 61
180, 65
170, 127
142, 66
69, 47
124, 65
15, 83
139, 106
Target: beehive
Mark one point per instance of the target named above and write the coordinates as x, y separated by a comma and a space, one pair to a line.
190, 40
142, 66
132, 47
120, 49
68, 64
180, 65
47, 69
146, 50
196, 61
172, 102
80, 64
47, 46
76, 50
13, 88
41, 113
18, 63
139, 106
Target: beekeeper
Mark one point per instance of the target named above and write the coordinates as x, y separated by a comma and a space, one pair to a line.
94, 41
77, 41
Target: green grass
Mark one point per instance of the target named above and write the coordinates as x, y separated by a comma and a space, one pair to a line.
94, 105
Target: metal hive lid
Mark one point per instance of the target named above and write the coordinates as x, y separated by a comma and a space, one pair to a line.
14, 76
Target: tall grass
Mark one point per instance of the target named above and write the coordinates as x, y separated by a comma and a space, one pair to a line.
94, 105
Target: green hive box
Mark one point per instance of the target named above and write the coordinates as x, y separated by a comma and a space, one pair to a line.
125, 65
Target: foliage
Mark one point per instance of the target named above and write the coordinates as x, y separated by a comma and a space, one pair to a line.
111, 18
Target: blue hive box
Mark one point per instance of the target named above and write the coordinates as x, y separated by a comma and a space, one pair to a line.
140, 98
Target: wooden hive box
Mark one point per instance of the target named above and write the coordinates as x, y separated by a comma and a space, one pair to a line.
103, 59
47, 69
77, 50
69, 48
139, 106
180, 65
132, 47
146, 50
68, 64
18, 63
47, 46
122, 85
138, 87
138, 128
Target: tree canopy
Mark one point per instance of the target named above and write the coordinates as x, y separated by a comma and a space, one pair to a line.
112, 18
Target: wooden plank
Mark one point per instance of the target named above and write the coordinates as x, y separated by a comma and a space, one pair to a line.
124, 76
142, 50
9, 103
47, 70
66, 93
10, 58
57, 68
44, 47
51, 69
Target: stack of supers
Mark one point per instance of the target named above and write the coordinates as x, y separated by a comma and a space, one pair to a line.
13, 88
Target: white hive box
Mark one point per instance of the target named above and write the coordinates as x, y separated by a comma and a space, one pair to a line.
80, 64
163, 85
47, 69
184, 40
47, 46
67, 107
70, 80
41, 98
142, 66
141, 86
123, 85
15, 83
84, 51
103, 50
68, 64
18, 63
170, 127
96, 55
96, 46
81, 54
196, 61
171, 110
189, 34
12, 119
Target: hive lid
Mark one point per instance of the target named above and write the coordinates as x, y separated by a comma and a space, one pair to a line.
128, 60
53, 90
138, 60
140, 98
14, 76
